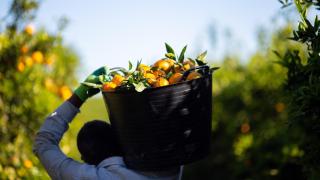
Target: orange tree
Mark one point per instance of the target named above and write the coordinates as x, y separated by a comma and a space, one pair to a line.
36, 71
303, 85
250, 135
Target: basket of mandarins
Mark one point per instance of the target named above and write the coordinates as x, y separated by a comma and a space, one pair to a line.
161, 113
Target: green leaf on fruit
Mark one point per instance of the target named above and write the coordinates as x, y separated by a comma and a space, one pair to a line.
202, 56
181, 56
130, 65
170, 55
169, 49
139, 87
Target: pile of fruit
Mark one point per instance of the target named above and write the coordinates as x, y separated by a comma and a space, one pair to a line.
166, 71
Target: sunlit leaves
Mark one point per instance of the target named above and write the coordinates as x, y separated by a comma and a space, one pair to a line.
303, 84
181, 56
244, 142
169, 49
201, 58
130, 66
37, 70
140, 86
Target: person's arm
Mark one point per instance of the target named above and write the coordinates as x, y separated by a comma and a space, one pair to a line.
46, 144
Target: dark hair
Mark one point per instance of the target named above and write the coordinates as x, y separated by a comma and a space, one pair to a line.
96, 141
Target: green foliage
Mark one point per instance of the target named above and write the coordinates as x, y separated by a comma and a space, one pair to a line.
170, 53
250, 135
35, 74
181, 56
303, 87
251, 138
301, 5
201, 58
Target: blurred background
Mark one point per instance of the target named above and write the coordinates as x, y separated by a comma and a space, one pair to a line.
47, 47
113, 32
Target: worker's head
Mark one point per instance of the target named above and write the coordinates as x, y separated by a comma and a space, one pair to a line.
96, 141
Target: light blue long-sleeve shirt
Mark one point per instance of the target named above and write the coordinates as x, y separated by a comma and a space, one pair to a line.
59, 166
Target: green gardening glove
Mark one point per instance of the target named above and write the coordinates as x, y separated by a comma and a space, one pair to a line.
84, 91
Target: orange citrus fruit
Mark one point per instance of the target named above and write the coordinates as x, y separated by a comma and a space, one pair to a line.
171, 62
28, 164
193, 75
50, 60
20, 66
188, 64
151, 78
65, 92
29, 29
144, 68
245, 128
117, 79
192, 64
109, 86
37, 56
28, 61
49, 84
279, 107
186, 67
177, 68
163, 65
175, 78
161, 82
159, 73
24, 49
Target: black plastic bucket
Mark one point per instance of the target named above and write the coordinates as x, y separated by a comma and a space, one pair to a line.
163, 127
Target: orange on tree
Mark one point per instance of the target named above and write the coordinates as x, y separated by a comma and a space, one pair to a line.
28, 61
117, 79
161, 82
193, 75
151, 78
175, 78
28, 164
50, 60
65, 92
245, 128
109, 86
20, 66
279, 107
29, 29
24, 49
37, 56
50, 85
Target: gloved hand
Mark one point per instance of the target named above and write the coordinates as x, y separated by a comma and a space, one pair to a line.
85, 91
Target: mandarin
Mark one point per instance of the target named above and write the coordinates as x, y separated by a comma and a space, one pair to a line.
193, 75
109, 86
176, 77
